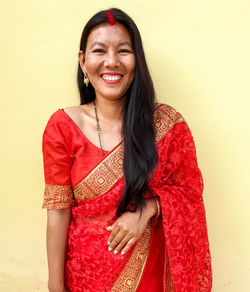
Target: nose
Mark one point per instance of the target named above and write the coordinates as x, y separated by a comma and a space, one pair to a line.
111, 60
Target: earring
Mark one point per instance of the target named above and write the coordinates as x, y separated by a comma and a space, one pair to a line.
86, 79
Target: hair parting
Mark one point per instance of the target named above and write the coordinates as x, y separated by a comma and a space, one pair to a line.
110, 18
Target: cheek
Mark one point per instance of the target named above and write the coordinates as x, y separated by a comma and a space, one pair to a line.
132, 70
129, 66
91, 66
132, 66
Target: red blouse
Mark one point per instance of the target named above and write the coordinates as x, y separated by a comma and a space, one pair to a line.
68, 157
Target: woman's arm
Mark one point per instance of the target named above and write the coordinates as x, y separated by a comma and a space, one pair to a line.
57, 229
151, 208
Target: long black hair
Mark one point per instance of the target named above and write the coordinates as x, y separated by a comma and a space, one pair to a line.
140, 155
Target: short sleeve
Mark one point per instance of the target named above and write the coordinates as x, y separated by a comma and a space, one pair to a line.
57, 164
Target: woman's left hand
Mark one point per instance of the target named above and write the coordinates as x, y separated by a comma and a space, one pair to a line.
129, 227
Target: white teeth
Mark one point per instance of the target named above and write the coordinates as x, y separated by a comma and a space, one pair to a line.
111, 78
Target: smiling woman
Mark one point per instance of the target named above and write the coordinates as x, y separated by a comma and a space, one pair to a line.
123, 188
109, 60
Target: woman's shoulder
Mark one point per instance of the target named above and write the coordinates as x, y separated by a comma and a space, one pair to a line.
76, 113
63, 115
55, 120
60, 126
167, 112
58, 120
166, 118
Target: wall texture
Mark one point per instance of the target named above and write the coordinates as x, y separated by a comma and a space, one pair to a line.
198, 53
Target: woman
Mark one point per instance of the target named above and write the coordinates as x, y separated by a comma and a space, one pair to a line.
123, 187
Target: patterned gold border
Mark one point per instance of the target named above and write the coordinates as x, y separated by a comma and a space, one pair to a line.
165, 118
169, 284
130, 277
110, 170
57, 197
103, 177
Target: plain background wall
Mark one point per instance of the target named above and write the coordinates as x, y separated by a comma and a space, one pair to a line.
199, 55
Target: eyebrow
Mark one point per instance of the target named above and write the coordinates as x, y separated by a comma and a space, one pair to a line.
125, 43
102, 44
97, 44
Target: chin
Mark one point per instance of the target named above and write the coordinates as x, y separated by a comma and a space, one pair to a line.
113, 95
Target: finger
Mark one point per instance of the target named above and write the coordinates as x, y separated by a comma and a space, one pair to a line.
122, 243
116, 240
109, 227
113, 233
129, 244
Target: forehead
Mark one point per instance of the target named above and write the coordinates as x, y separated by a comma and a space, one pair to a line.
109, 34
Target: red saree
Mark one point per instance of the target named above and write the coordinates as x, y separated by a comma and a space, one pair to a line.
172, 254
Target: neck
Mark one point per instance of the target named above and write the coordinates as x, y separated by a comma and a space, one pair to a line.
110, 110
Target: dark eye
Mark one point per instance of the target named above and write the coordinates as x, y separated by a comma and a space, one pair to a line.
124, 51
98, 51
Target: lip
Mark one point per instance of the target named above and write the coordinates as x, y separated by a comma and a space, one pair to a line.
111, 74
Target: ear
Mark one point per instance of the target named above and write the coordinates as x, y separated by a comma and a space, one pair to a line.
81, 58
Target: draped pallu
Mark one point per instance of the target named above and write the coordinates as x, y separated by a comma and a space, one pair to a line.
173, 252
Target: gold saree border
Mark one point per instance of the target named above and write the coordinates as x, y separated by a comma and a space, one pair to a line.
169, 284
110, 170
57, 197
165, 118
103, 177
130, 276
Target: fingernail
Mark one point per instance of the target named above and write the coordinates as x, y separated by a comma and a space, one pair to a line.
108, 242
108, 228
115, 251
110, 248
123, 252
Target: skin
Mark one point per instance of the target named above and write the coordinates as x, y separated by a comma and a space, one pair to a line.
109, 50
57, 228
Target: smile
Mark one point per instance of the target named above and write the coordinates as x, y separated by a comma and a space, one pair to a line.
113, 78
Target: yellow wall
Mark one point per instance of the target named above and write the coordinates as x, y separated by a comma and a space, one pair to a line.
198, 53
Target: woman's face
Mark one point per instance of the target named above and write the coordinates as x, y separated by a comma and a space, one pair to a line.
109, 60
